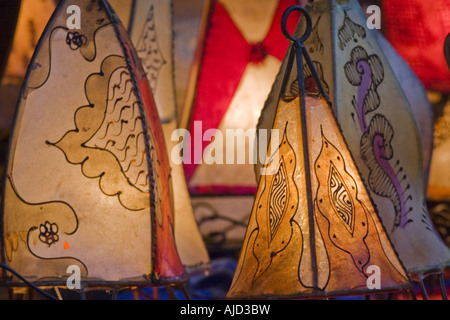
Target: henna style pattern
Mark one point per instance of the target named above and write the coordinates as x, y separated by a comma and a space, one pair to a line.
366, 72
276, 225
88, 160
100, 125
348, 32
148, 50
122, 117
347, 221
310, 83
307, 238
314, 43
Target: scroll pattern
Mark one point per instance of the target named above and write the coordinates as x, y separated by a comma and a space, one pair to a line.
279, 198
149, 51
122, 120
387, 177
107, 145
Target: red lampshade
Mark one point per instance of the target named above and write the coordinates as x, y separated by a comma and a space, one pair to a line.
417, 29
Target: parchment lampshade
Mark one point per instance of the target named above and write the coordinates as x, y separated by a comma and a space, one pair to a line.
239, 54
417, 30
32, 21
150, 25
22, 23
314, 231
88, 176
417, 98
379, 127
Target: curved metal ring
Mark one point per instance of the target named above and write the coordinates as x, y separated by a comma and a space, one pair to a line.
447, 50
284, 18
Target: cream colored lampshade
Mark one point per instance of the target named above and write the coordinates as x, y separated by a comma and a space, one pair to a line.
238, 56
313, 231
379, 127
88, 175
27, 28
150, 25
417, 98
32, 21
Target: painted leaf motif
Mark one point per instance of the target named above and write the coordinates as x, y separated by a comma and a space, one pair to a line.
275, 208
279, 198
341, 199
88, 160
148, 50
338, 191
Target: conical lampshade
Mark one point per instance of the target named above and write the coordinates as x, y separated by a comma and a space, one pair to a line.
150, 25
379, 127
314, 231
88, 176
22, 25
237, 59
32, 20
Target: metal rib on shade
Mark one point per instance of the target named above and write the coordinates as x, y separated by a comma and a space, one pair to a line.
379, 126
88, 176
314, 231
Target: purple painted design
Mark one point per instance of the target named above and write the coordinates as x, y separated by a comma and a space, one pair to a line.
365, 72
382, 157
363, 90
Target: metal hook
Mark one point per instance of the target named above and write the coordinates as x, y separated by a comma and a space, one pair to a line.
284, 24
299, 52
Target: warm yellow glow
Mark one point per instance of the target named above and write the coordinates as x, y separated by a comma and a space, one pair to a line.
380, 127
290, 250
33, 18
151, 31
229, 82
88, 176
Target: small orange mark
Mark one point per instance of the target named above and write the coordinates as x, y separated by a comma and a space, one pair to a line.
66, 245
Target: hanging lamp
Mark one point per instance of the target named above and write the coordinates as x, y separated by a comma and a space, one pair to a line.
314, 231
150, 26
87, 183
379, 127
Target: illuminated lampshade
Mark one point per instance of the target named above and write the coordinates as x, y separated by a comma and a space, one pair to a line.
417, 98
238, 57
379, 127
150, 25
417, 30
313, 231
438, 192
88, 176
439, 185
16, 56
34, 15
